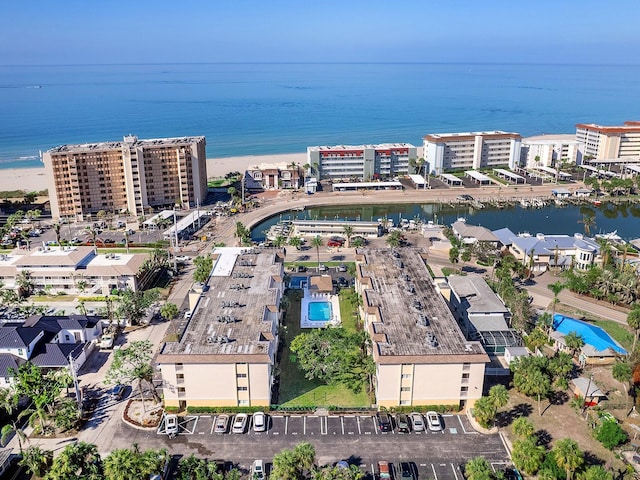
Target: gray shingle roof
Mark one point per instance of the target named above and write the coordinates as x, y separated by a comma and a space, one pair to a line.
17, 336
52, 355
8, 361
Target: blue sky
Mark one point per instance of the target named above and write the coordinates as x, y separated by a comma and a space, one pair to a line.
145, 31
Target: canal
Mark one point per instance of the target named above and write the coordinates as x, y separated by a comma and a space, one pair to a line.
623, 217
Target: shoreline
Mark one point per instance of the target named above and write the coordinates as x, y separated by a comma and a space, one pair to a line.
33, 179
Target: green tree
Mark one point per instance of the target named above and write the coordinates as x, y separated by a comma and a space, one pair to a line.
556, 288
129, 464
531, 378
337, 473
454, 255
527, 456
133, 363
623, 373
523, 428
358, 242
9, 403
574, 342
56, 228
243, 234
296, 242
588, 221
169, 311
477, 468
317, 242
484, 411
204, 266
42, 389
394, 239
465, 256
66, 415
596, 472
78, 461
348, 233
36, 460
633, 320
610, 434
25, 283
499, 395
568, 456
285, 466
133, 305
280, 241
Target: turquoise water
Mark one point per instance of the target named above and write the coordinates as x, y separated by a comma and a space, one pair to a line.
319, 311
246, 109
591, 334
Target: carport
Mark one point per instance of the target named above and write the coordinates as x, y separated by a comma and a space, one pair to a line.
477, 177
507, 175
451, 180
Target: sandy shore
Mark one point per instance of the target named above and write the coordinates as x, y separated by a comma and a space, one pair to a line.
34, 179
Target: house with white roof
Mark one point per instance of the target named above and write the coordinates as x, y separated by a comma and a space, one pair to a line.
470, 234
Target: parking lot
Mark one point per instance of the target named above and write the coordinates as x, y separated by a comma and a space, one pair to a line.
355, 438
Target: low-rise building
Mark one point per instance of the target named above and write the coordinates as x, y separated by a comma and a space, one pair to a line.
563, 251
601, 142
548, 150
471, 150
227, 352
364, 162
273, 176
421, 355
73, 269
470, 234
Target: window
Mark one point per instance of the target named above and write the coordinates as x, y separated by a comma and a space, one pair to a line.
406, 375
243, 389
241, 375
464, 389
243, 402
404, 402
405, 389
181, 390
465, 376
19, 351
180, 376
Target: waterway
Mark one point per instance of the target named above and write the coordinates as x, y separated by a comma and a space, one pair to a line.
623, 218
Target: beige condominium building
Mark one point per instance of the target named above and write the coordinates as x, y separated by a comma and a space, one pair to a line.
366, 162
421, 356
609, 143
128, 176
227, 352
471, 150
549, 150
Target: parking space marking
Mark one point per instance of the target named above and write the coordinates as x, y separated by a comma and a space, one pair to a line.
460, 421
434, 472
342, 424
323, 425
286, 424
454, 471
359, 429
375, 425
304, 425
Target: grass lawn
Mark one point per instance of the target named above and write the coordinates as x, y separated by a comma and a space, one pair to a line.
446, 271
349, 309
295, 390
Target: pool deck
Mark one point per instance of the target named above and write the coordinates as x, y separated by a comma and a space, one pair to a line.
319, 297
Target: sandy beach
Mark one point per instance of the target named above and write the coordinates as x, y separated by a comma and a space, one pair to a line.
34, 179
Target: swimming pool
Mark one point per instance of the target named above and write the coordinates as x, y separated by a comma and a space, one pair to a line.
591, 334
319, 311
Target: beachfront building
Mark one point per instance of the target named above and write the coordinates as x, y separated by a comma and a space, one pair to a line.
74, 269
471, 151
550, 150
363, 162
421, 355
609, 142
542, 251
226, 354
273, 176
128, 176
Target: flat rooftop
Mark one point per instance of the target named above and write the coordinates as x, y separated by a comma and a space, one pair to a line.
128, 141
402, 290
379, 146
476, 291
451, 137
237, 314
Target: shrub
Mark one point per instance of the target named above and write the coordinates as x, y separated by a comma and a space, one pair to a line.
610, 434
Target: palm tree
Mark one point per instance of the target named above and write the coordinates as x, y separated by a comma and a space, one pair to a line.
56, 228
588, 221
556, 288
306, 455
121, 464
348, 233
25, 283
36, 460
623, 373
295, 242
477, 468
9, 403
394, 239
499, 395
523, 427
633, 320
568, 455
317, 243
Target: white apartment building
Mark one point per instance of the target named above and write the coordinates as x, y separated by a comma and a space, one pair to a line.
131, 175
366, 162
546, 150
471, 151
609, 142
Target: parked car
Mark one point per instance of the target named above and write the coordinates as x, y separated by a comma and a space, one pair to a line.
406, 472
117, 392
171, 424
222, 424
433, 420
384, 470
301, 268
322, 267
259, 422
334, 243
257, 470
106, 341
402, 421
384, 422
240, 423
417, 422
342, 267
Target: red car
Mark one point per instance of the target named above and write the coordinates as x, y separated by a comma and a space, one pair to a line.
334, 243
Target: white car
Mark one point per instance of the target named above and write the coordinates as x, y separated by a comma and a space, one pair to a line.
259, 422
417, 422
240, 423
433, 420
171, 424
257, 470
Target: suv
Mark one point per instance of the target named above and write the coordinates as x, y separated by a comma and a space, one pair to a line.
403, 423
384, 422
257, 470
406, 472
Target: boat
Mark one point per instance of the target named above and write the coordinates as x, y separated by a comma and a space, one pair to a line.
612, 237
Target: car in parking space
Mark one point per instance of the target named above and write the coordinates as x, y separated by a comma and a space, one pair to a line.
334, 243
257, 470
384, 422
406, 472
402, 422
259, 422
117, 392
417, 422
384, 470
222, 424
240, 423
342, 267
171, 424
322, 267
433, 421
183, 258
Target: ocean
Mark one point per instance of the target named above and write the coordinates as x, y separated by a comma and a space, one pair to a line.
253, 109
